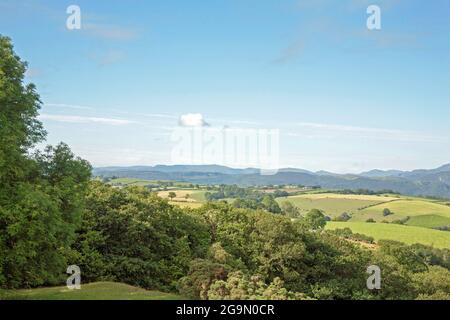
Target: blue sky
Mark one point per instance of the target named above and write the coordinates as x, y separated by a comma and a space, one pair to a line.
344, 98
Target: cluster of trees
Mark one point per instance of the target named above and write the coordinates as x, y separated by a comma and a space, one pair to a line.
348, 234
53, 215
365, 191
230, 191
245, 198
41, 194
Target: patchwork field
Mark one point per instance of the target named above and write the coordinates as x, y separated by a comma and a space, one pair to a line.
333, 204
192, 205
90, 291
184, 195
144, 182
429, 221
406, 234
422, 212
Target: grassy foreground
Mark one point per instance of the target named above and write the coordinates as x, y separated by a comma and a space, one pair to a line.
406, 234
90, 291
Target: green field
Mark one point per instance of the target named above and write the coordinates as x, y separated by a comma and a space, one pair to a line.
193, 195
428, 221
428, 211
144, 182
406, 234
334, 204
90, 291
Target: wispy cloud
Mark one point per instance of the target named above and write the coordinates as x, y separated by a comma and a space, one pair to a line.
110, 31
33, 73
81, 119
291, 52
321, 25
67, 106
108, 57
331, 130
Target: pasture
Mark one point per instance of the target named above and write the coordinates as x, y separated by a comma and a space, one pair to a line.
333, 204
405, 234
184, 195
90, 291
431, 214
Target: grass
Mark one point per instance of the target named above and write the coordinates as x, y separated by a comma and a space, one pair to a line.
131, 182
144, 182
405, 234
90, 291
193, 195
192, 205
406, 207
334, 204
429, 221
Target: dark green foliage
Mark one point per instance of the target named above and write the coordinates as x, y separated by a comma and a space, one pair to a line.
347, 233
41, 196
343, 217
289, 210
401, 221
246, 198
134, 236
314, 220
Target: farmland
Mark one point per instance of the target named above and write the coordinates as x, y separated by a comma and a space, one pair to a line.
405, 208
334, 204
406, 234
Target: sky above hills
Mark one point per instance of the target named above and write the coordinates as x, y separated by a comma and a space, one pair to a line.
344, 98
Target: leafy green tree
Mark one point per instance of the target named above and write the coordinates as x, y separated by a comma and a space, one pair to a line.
314, 220
270, 204
172, 195
433, 283
134, 236
202, 273
290, 210
239, 286
41, 196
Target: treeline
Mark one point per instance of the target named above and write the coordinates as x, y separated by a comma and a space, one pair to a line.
247, 198
365, 191
42, 194
221, 252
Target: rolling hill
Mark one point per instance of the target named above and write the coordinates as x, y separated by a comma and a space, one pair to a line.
434, 182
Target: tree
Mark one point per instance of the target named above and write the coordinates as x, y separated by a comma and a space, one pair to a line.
41, 196
239, 286
386, 212
343, 217
270, 204
172, 195
290, 210
314, 220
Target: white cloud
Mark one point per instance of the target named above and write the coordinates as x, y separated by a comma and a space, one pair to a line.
108, 57
68, 106
192, 120
367, 132
111, 32
80, 119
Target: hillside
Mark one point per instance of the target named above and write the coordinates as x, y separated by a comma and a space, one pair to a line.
405, 234
434, 182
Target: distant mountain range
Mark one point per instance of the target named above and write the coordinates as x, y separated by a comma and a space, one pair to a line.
433, 182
